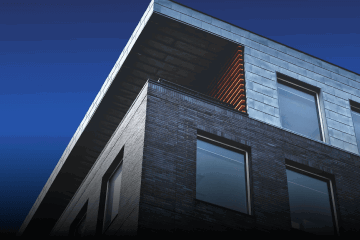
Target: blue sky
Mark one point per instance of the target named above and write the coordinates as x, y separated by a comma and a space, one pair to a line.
55, 55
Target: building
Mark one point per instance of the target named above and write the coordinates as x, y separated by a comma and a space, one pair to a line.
202, 126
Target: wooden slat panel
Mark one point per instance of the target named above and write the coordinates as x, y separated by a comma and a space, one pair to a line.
229, 87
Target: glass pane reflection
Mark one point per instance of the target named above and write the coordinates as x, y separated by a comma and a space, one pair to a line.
220, 176
309, 204
113, 197
298, 111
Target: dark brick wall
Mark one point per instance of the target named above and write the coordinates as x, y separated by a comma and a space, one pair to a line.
167, 199
158, 192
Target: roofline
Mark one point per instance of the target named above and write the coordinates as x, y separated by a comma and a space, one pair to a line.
87, 118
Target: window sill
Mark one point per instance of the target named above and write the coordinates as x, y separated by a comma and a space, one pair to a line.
112, 221
198, 201
304, 136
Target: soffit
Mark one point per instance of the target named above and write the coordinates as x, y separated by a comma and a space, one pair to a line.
165, 49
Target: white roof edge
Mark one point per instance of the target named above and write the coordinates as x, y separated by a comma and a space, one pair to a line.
89, 114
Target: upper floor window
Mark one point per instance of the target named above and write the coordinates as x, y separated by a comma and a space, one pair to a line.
221, 175
311, 202
299, 109
355, 110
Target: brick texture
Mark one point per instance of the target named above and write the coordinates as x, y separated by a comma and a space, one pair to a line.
158, 192
168, 191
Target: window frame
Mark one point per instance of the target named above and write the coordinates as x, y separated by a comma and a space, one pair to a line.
80, 217
116, 163
331, 191
247, 174
82, 220
308, 90
355, 107
107, 195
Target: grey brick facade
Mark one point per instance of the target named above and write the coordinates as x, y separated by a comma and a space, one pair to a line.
159, 190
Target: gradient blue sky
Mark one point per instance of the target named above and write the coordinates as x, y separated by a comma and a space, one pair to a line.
55, 55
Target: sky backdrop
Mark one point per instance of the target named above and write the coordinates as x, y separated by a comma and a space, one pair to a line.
55, 55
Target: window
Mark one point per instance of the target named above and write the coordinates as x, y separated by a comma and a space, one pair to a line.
113, 196
299, 109
77, 227
311, 202
79, 230
110, 194
355, 110
221, 175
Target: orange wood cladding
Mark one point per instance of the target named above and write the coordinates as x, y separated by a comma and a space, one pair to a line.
230, 86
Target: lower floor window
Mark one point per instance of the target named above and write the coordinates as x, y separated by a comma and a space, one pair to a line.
77, 227
221, 175
79, 231
311, 203
113, 196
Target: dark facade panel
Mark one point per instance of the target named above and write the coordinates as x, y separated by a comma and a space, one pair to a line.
168, 186
158, 185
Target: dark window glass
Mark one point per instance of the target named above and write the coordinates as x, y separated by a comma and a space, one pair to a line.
356, 120
77, 226
79, 231
298, 111
113, 196
220, 176
309, 204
